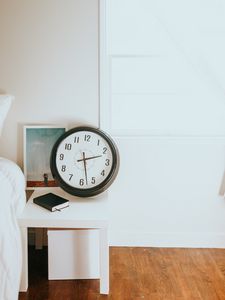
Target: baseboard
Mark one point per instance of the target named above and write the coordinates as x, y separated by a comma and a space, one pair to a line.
176, 240
31, 236
32, 240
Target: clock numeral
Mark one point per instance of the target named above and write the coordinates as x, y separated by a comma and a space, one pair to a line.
71, 175
61, 156
104, 150
107, 161
103, 173
76, 139
68, 146
63, 169
81, 182
93, 180
87, 138
98, 143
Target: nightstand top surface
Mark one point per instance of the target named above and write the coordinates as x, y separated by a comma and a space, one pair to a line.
81, 213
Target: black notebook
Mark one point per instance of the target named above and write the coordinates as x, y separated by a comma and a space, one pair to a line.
51, 202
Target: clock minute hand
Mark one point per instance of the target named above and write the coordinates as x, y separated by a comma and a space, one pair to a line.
85, 168
87, 158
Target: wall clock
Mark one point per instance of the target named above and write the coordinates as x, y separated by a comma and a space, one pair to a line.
84, 161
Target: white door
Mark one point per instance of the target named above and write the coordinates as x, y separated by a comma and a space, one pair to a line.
162, 98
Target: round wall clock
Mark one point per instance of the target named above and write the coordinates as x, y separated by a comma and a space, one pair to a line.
84, 161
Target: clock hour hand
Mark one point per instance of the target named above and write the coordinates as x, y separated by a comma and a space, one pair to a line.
85, 168
87, 158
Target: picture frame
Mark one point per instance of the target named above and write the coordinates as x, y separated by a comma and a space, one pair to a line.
38, 141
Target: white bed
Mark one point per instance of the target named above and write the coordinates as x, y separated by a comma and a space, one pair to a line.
12, 188
12, 201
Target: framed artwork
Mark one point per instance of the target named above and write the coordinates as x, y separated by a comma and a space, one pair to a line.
38, 143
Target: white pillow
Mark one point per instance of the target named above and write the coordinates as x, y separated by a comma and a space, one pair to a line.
5, 103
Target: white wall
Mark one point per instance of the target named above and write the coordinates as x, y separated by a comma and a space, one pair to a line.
166, 109
49, 61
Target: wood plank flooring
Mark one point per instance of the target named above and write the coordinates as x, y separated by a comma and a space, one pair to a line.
138, 273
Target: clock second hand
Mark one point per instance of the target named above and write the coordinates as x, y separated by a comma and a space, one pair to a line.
85, 167
87, 158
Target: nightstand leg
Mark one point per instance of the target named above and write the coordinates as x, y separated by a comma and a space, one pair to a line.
24, 274
104, 261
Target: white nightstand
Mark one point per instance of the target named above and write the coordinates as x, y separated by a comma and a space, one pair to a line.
83, 213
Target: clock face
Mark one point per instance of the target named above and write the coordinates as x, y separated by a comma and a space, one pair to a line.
85, 161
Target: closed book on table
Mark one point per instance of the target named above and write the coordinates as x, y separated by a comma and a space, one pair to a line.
51, 202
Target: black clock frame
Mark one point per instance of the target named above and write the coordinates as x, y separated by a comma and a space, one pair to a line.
90, 192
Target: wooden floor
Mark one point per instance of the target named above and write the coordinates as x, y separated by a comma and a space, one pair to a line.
138, 273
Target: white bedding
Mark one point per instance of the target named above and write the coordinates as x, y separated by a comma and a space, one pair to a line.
12, 201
